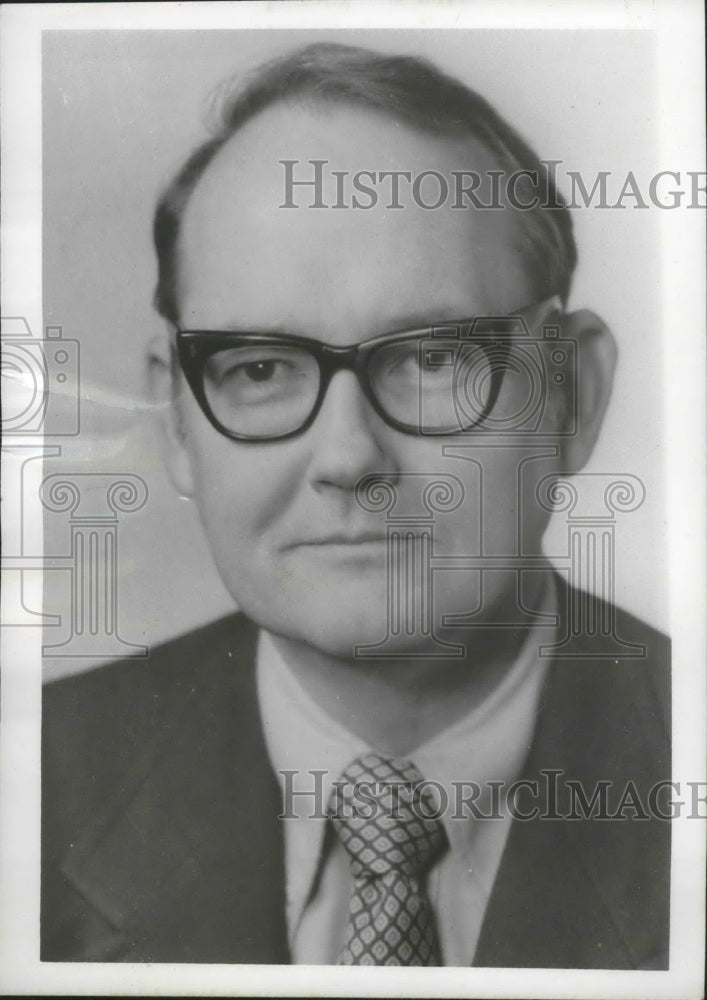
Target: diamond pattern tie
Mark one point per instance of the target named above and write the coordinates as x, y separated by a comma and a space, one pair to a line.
391, 845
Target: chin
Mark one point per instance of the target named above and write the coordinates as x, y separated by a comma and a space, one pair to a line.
339, 635
333, 619
353, 628
335, 628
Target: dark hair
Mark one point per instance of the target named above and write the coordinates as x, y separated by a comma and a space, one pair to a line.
415, 92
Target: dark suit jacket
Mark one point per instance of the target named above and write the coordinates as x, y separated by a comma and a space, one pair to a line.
161, 841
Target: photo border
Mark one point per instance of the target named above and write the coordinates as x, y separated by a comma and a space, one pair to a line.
681, 112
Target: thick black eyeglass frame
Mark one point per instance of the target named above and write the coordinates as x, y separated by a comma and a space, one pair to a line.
195, 347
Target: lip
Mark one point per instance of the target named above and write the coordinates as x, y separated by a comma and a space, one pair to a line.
351, 541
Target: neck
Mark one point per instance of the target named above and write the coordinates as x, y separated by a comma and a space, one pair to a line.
396, 705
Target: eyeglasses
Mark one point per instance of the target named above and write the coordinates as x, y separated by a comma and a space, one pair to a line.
435, 380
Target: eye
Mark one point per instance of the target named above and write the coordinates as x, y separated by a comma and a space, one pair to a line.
260, 375
257, 371
255, 365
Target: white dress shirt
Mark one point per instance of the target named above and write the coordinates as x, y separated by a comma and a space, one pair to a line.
487, 745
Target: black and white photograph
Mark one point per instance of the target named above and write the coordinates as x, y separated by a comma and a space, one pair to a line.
353, 508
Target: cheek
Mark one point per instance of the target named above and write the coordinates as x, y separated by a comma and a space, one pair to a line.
500, 512
241, 491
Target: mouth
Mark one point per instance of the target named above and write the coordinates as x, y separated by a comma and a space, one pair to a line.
341, 540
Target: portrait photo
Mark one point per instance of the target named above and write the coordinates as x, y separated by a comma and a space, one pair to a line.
354, 526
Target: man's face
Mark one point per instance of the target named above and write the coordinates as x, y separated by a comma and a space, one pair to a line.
282, 518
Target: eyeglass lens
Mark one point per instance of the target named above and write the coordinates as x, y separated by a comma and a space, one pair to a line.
269, 390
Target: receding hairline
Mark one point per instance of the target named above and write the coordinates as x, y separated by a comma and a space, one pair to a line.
332, 75
466, 143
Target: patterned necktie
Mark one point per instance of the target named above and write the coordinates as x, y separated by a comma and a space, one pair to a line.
380, 819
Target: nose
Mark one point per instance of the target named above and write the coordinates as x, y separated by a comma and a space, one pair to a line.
347, 437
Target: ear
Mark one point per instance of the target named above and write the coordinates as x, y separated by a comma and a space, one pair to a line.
594, 375
165, 390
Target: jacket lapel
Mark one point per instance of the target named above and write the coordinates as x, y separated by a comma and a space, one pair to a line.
588, 893
189, 865
545, 911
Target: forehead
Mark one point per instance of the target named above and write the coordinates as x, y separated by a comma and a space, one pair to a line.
244, 259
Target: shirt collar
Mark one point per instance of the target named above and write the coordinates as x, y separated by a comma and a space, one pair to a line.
309, 750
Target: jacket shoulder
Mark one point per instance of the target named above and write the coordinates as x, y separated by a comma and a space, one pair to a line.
169, 667
144, 763
620, 669
103, 724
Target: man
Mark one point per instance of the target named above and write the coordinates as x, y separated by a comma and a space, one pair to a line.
374, 762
